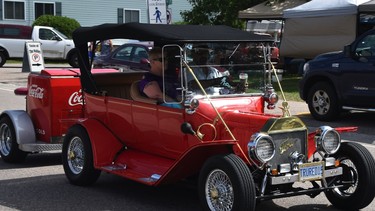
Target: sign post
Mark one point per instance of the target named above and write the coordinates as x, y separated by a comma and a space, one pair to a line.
32, 57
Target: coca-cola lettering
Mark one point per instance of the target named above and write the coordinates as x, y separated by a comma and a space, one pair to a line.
75, 98
36, 92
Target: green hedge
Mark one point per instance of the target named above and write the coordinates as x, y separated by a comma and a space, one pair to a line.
63, 24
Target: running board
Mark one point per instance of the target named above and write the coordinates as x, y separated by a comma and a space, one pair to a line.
40, 147
358, 109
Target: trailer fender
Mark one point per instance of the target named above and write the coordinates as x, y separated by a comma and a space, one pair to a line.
23, 126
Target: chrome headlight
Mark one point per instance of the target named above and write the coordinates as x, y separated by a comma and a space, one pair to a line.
327, 139
261, 147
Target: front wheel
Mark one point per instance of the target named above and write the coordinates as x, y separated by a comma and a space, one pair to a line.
225, 183
9, 150
356, 187
77, 157
322, 101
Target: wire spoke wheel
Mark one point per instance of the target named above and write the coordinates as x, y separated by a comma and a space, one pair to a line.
226, 183
76, 155
219, 191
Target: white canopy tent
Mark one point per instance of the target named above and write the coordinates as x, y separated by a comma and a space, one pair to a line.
319, 26
268, 10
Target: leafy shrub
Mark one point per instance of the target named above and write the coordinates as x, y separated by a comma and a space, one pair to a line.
63, 24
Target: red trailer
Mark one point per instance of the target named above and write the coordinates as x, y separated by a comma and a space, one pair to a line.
53, 104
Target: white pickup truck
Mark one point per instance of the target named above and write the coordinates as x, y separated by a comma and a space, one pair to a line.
55, 45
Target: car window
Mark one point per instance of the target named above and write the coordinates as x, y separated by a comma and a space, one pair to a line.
124, 53
366, 47
46, 34
139, 53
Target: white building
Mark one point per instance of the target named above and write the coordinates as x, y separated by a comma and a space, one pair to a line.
89, 12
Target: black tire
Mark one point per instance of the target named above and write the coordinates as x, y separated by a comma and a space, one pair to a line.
3, 58
77, 158
73, 58
9, 149
358, 166
231, 175
323, 102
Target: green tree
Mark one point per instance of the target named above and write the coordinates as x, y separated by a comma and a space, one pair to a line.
63, 24
217, 12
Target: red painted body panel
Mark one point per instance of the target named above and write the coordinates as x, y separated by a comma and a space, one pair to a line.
156, 129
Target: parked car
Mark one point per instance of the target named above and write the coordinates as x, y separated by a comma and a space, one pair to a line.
54, 44
133, 56
341, 81
238, 153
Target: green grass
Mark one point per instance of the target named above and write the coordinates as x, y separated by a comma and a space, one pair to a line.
289, 85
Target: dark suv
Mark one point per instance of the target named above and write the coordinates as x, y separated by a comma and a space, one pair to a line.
338, 81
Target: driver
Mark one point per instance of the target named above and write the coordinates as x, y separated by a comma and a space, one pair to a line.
206, 74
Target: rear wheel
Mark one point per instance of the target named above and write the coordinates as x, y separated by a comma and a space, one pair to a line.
73, 58
357, 185
77, 158
3, 58
322, 101
9, 149
225, 183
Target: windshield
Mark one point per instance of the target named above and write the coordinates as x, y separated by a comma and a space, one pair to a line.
234, 61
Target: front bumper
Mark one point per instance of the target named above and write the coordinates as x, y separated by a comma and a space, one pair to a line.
291, 178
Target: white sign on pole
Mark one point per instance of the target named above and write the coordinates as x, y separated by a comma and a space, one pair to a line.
157, 11
34, 57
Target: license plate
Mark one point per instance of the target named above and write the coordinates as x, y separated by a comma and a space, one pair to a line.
311, 171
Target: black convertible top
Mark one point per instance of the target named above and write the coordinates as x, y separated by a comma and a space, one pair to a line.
160, 34
165, 34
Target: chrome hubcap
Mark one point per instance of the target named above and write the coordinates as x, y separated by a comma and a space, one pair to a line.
5, 140
321, 102
219, 191
76, 155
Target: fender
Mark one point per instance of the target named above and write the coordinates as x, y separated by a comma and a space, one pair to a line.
192, 161
23, 126
104, 144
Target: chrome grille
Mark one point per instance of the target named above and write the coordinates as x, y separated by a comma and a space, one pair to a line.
286, 143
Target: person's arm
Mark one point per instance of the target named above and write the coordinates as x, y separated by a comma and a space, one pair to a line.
152, 90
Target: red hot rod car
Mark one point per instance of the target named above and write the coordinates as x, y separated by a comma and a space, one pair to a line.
215, 130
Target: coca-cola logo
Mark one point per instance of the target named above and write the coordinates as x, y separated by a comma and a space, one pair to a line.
36, 92
75, 98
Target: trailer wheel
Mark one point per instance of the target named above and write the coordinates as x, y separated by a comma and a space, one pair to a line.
356, 187
9, 149
225, 183
77, 158
3, 58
